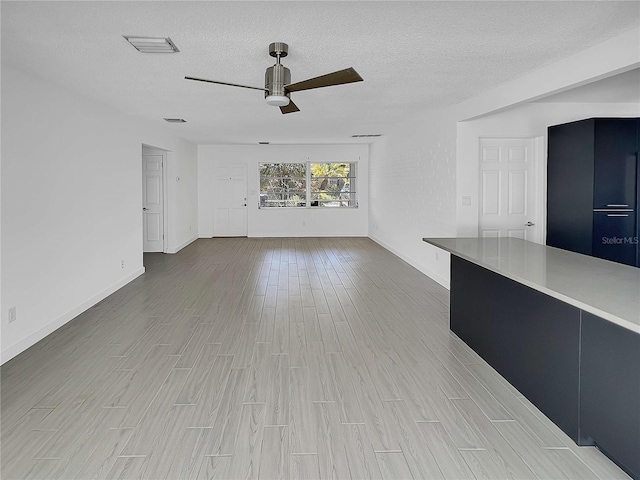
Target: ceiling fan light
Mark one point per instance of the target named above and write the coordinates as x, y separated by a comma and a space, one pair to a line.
277, 100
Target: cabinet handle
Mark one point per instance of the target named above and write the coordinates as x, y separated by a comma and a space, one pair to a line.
616, 205
613, 209
617, 215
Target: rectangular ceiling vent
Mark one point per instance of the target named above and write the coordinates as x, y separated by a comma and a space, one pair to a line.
152, 44
175, 120
366, 135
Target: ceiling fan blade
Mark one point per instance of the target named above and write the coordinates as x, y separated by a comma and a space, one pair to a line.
225, 83
348, 75
289, 108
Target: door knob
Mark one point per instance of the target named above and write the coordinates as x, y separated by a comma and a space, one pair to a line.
529, 224
144, 209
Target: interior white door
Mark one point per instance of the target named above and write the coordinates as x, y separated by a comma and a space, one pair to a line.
508, 189
230, 201
152, 203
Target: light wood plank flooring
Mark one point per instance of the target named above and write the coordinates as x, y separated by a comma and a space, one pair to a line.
274, 359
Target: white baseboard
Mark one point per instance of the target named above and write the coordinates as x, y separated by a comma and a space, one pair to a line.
445, 282
309, 235
34, 338
180, 247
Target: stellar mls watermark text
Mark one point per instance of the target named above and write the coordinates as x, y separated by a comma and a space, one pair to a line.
619, 240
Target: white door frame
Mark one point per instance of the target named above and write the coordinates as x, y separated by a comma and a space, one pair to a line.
540, 189
151, 150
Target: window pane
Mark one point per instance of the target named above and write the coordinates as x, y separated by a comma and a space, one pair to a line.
283, 184
331, 185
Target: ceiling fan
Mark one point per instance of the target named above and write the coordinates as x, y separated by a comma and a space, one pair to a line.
277, 87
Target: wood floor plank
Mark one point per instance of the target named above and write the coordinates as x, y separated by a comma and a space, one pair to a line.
153, 422
328, 333
215, 468
304, 467
275, 453
192, 351
345, 395
127, 468
481, 396
532, 425
321, 386
102, 459
298, 355
502, 452
248, 448
419, 457
197, 375
277, 401
211, 392
259, 371
331, 449
222, 436
281, 334
303, 428
360, 452
448, 458
393, 466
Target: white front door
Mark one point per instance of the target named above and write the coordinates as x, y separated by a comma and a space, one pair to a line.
230, 201
508, 189
152, 203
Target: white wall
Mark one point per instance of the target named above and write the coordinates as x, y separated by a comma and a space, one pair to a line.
528, 120
284, 222
420, 170
412, 191
71, 204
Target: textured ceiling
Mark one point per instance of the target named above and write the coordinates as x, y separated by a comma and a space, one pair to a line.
412, 56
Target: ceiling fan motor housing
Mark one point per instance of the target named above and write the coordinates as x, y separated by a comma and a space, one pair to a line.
275, 79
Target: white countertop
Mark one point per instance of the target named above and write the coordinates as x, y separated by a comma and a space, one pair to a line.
607, 289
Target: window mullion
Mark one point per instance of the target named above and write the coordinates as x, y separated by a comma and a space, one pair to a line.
308, 183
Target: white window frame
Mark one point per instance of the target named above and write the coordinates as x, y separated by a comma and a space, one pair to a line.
353, 180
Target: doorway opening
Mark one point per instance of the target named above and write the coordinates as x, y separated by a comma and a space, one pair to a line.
510, 196
230, 201
154, 200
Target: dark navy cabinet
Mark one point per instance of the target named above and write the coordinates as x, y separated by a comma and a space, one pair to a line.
593, 188
610, 390
531, 339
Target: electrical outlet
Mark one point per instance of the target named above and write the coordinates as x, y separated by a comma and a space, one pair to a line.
121, 263
12, 314
466, 201
304, 224
437, 256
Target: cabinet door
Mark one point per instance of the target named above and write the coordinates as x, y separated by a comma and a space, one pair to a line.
637, 236
615, 166
610, 389
530, 338
570, 186
614, 236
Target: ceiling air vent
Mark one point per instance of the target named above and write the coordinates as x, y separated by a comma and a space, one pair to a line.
152, 44
175, 120
366, 135
263, 143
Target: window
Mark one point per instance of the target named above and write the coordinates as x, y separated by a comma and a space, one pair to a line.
307, 185
283, 185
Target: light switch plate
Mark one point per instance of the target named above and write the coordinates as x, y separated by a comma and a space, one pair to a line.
466, 201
